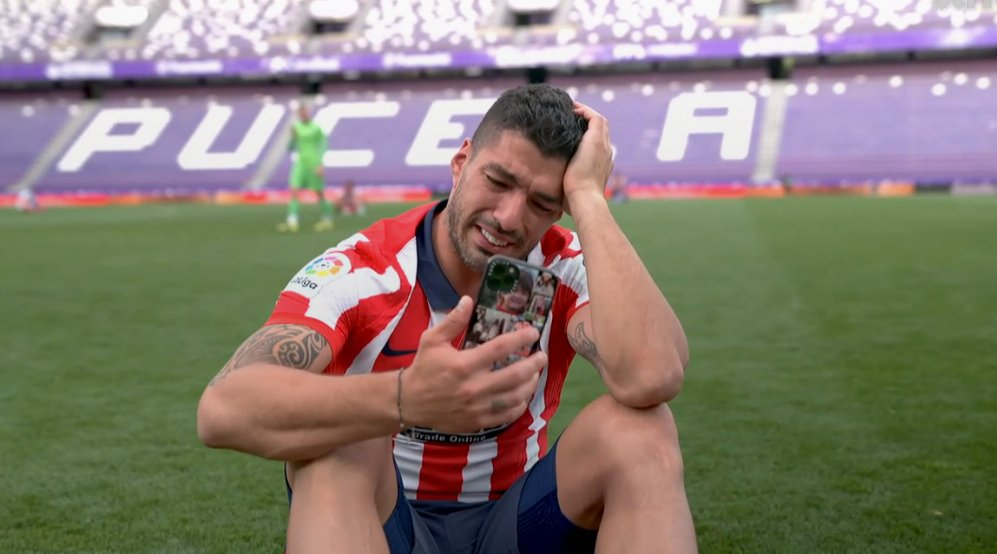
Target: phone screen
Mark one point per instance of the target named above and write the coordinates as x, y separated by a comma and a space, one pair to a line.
513, 295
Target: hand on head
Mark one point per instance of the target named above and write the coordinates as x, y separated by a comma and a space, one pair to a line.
590, 167
456, 391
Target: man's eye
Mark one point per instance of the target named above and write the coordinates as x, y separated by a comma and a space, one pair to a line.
496, 183
542, 208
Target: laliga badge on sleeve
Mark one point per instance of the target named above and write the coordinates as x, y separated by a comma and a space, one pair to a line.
323, 269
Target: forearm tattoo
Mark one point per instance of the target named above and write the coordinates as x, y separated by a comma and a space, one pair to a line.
287, 345
584, 345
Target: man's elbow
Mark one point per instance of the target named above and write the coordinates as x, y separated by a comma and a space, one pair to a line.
219, 425
653, 383
213, 426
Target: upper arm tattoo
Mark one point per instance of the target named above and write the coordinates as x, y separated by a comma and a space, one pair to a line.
584, 345
291, 346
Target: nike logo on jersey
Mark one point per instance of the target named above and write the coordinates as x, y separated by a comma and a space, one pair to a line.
388, 351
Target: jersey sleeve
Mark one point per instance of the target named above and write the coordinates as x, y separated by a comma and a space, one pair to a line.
563, 254
323, 295
574, 285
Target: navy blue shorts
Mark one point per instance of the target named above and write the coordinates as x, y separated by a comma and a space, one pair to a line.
526, 520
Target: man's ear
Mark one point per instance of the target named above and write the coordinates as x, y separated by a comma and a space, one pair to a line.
459, 161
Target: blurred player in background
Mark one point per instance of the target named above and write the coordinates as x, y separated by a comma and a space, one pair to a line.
618, 189
350, 202
308, 142
26, 201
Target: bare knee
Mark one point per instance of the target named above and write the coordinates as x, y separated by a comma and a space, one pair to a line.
365, 461
613, 450
630, 439
360, 473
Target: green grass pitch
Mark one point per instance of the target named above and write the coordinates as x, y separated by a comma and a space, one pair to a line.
842, 394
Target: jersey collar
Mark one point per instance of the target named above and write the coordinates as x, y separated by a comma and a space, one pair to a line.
439, 291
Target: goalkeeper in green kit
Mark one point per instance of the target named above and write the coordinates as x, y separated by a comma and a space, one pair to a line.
308, 141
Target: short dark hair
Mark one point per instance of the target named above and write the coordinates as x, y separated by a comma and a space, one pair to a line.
542, 113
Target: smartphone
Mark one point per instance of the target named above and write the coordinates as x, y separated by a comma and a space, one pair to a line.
513, 294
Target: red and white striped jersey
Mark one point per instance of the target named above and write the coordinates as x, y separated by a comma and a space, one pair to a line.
374, 294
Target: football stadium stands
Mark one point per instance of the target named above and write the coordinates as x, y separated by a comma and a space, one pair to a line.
194, 97
38, 119
64, 30
34, 31
170, 141
644, 20
846, 16
198, 28
933, 123
429, 25
680, 128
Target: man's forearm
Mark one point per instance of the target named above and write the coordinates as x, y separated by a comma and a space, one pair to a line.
636, 329
286, 414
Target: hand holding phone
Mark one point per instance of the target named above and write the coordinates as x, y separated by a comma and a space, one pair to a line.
437, 407
513, 295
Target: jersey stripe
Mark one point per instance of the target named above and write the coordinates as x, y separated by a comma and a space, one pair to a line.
538, 404
444, 477
511, 456
408, 456
476, 475
364, 360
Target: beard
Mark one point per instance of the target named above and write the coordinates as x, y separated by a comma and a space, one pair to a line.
469, 254
459, 225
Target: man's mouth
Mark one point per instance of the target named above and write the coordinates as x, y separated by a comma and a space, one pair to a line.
492, 239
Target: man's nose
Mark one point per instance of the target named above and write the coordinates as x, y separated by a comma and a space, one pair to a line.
510, 212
